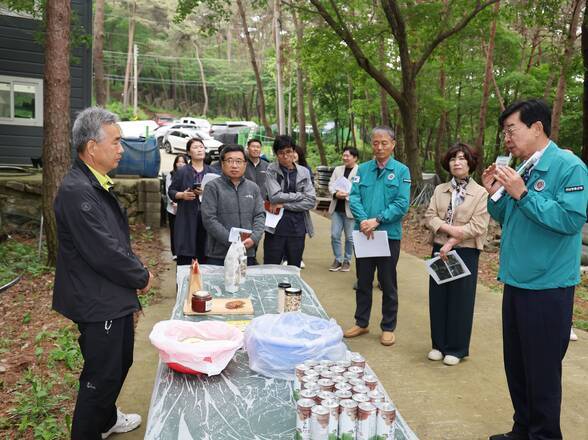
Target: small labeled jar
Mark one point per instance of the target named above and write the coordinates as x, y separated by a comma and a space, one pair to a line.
282, 295
201, 301
293, 299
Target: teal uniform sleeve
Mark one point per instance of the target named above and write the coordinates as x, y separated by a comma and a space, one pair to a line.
396, 210
566, 213
497, 210
355, 203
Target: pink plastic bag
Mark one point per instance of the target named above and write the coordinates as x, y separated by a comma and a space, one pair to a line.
210, 356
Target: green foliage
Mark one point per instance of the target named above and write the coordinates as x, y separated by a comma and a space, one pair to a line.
66, 349
37, 408
126, 114
20, 259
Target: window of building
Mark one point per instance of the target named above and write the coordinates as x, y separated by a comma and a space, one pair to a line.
21, 101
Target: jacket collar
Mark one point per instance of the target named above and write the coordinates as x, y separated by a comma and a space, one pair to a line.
389, 165
230, 182
547, 157
470, 187
80, 165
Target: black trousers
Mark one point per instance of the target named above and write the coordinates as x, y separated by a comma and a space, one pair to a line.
276, 247
536, 333
387, 277
172, 222
107, 348
251, 261
451, 307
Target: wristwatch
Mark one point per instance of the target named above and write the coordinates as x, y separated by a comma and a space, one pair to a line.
379, 218
524, 194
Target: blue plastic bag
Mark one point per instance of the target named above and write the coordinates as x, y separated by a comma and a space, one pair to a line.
277, 343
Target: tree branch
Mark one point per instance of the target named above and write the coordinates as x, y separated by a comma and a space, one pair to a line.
343, 32
444, 35
398, 28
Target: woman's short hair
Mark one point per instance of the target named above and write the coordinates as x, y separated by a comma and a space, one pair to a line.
469, 153
352, 150
189, 143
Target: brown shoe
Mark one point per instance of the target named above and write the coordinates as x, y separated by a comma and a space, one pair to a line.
387, 338
355, 331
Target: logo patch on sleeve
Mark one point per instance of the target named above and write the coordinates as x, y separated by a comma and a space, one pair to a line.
406, 180
86, 206
570, 189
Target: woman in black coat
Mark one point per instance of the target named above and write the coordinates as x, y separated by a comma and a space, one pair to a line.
185, 189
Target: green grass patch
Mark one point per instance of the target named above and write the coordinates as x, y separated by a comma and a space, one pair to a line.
38, 408
18, 258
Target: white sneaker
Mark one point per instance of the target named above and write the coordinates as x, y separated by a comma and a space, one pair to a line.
435, 355
451, 360
302, 265
124, 423
573, 336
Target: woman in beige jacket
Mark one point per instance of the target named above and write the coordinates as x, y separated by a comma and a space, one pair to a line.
458, 218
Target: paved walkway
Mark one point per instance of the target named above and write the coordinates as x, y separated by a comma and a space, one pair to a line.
465, 402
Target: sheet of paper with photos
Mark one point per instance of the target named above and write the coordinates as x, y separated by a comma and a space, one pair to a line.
446, 271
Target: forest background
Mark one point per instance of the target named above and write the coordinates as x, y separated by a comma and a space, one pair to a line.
438, 72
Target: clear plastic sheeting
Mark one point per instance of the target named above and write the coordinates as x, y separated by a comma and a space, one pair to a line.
277, 343
237, 404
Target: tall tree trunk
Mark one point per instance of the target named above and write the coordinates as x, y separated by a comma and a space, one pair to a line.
279, 68
300, 116
384, 109
229, 41
486, 88
409, 124
441, 134
98, 52
56, 113
131, 42
565, 65
351, 114
458, 114
585, 97
203, 78
260, 94
315, 128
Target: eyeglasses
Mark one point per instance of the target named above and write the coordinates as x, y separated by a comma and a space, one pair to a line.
507, 132
234, 161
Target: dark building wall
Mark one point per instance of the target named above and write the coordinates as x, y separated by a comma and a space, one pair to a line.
21, 55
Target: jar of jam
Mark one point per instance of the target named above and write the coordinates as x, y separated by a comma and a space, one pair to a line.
201, 301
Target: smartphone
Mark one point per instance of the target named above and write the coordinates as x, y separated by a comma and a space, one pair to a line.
196, 186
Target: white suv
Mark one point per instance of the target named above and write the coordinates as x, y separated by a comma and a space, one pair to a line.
175, 140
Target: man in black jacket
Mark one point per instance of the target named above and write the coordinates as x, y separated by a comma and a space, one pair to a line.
97, 275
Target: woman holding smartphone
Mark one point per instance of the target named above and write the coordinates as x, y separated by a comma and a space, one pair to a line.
458, 218
185, 189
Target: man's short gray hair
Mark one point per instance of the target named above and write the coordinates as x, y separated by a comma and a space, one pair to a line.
88, 126
383, 129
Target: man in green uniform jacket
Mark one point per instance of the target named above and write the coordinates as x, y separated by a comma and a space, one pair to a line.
379, 199
542, 212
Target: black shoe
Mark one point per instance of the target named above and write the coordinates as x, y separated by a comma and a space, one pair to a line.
508, 436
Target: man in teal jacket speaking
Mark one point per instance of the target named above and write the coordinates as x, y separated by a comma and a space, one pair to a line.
542, 210
379, 199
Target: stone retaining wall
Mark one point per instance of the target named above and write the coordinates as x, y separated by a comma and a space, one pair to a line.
20, 201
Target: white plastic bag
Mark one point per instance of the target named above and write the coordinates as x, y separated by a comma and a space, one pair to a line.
210, 356
277, 343
233, 267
